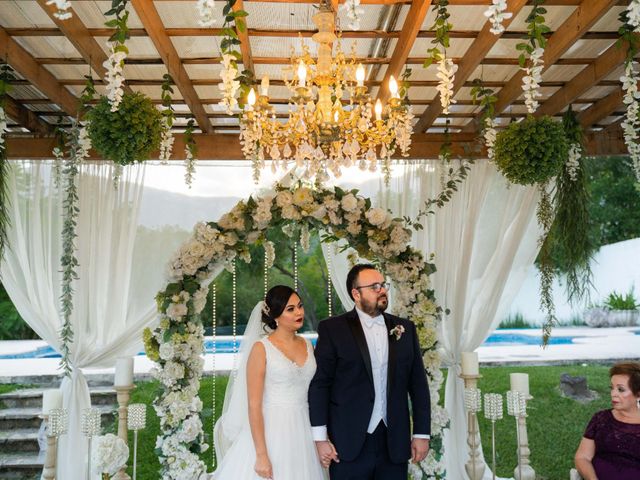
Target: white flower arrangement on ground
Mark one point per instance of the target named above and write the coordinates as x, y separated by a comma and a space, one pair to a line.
63, 7
531, 80
114, 76
229, 85
446, 76
496, 13
353, 13
207, 15
631, 122
109, 454
176, 345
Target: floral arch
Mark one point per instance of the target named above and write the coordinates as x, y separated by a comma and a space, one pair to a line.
176, 345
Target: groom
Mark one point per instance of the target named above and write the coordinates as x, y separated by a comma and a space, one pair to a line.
369, 365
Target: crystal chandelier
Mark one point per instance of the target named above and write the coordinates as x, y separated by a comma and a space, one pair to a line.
332, 120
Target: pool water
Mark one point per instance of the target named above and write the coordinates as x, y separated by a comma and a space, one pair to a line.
227, 346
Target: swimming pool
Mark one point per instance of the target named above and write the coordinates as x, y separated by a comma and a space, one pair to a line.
226, 345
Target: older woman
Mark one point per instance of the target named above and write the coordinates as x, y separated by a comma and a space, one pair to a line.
610, 448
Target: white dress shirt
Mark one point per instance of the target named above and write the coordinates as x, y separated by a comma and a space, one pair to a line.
377, 337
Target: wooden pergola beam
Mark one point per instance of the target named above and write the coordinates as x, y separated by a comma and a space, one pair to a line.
155, 29
25, 117
243, 36
408, 35
574, 27
25, 64
602, 66
480, 48
601, 109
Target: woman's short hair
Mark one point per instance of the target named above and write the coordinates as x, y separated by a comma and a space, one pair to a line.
274, 304
632, 369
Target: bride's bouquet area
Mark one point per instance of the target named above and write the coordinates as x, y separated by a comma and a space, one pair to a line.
176, 345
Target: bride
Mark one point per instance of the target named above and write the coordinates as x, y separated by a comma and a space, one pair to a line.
264, 430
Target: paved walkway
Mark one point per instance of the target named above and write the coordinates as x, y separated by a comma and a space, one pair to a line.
587, 345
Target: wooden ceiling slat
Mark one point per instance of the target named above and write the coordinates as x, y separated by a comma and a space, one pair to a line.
579, 22
154, 27
478, 50
601, 109
410, 29
25, 117
602, 66
24, 63
245, 44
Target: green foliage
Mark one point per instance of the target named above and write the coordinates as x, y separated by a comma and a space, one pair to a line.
231, 42
618, 301
167, 90
189, 141
129, 134
615, 200
531, 151
536, 30
487, 99
515, 321
6, 77
119, 9
628, 36
12, 326
442, 27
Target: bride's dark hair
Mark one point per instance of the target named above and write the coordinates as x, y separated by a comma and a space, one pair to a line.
274, 304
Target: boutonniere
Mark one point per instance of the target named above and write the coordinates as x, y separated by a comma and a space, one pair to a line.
397, 331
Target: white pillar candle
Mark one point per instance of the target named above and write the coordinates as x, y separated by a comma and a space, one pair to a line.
51, 399
470, 363
124, 372
520, 382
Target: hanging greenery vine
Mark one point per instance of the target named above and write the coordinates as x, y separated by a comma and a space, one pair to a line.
234, 84
78, 146
628, 31
190, 152
60, 135
487, 99
118, 52
531, 53
438, 54
6, 77
168, 117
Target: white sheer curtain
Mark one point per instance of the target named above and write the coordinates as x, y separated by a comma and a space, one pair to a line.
110, 311
484, 239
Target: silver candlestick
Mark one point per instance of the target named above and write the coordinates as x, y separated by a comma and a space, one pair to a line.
473, 400
57, 421
517, 407
136, 420
90, 426
493, 410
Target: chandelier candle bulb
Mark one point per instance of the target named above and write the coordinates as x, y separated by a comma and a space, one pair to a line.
378, 110
470, 363
124, 372
264, 86
51, 399
393, 87
251, 99
302, 74
360, 75
520, 383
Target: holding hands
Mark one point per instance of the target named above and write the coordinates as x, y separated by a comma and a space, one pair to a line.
327, 452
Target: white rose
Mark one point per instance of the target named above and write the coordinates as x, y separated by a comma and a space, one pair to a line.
302, 196
376, 216
166, 351
177, 310
284, 198
349, 202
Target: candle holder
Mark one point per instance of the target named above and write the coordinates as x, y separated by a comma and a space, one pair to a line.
123, 395
136, 420
474, 466
517, 407
90, 426
493, 410
56, 424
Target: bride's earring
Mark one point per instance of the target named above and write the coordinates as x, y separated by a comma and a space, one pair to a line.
638, 403
278, 324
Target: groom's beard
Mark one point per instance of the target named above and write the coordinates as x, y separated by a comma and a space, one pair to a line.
375, 308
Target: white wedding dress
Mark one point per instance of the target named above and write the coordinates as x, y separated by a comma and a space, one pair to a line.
287, 428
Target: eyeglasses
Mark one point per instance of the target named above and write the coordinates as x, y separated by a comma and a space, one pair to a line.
376, 287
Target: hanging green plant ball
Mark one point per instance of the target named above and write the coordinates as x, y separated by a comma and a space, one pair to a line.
531, 151
129, 134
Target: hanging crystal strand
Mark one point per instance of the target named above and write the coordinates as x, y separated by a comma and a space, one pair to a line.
329, 289
295, 267
266, 274
213, 376
234, 314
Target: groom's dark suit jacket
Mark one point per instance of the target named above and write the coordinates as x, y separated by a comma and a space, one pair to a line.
341, 394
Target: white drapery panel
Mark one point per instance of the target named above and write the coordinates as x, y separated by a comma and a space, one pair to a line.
110, 311
484, 239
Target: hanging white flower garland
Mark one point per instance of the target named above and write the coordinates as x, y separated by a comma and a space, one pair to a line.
446, 76
633, 14
490, 134
63, 7
496, 14
207, 15
176, 345
229, 86
114, 75
166, 140
3, 125
573, 161
531, 80
353, 13
631, 122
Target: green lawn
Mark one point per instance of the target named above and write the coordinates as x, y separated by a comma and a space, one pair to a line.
555, 424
